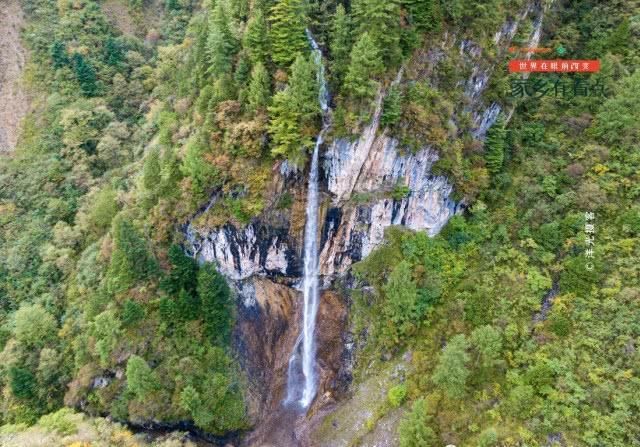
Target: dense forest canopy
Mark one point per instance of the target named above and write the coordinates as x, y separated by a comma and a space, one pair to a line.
514, 338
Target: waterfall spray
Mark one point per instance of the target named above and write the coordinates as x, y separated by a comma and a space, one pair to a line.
301, 380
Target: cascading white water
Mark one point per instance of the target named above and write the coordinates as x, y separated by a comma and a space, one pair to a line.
301, 380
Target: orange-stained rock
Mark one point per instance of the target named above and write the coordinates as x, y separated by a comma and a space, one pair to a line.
265, 335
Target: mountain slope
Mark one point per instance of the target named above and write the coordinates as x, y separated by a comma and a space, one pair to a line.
153, 214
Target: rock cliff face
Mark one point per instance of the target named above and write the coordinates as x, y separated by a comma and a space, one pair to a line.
370, 169
239, 254
360, 178
263, 262
265, 333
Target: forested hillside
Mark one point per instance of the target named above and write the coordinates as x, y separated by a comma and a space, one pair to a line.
152, 118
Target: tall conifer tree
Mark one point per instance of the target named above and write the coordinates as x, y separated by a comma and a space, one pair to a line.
381, 19
85, 74
221, 43
340, 43
294, 111
495, 145
259, 87
365, 63
256, 38
287, 31
58, 54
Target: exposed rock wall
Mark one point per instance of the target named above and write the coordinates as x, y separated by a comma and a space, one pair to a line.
13, 100
373, 167
266, 331
264, 336
253, 250
370, 167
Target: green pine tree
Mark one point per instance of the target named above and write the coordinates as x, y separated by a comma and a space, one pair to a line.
182, 274
287, 33
455, 10
85, 74
58, 53
264, 5
303, 89
223, 89
495, 146
151, 170
170, 174
294, 112
320, 13
239, 10
22, 383
215, 299
413, 430
130, 258
132, 312
243, 71
400, 308
451, 372
141, 379
221, 43
381, 19
392, 107
151, 179
256, 39
425, 15
365, 63
259, 88
620, 38
188, 306
340, 43
284, 128
113, 52
171, 5
202, 172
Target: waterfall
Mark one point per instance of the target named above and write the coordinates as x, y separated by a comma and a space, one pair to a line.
323, 92
301, 380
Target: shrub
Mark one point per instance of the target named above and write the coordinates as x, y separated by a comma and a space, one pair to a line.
285, 201
60, 422
141, 380
488, 438
400, 192
34, 326
414, 430
132, 312
451, 373
396, 395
